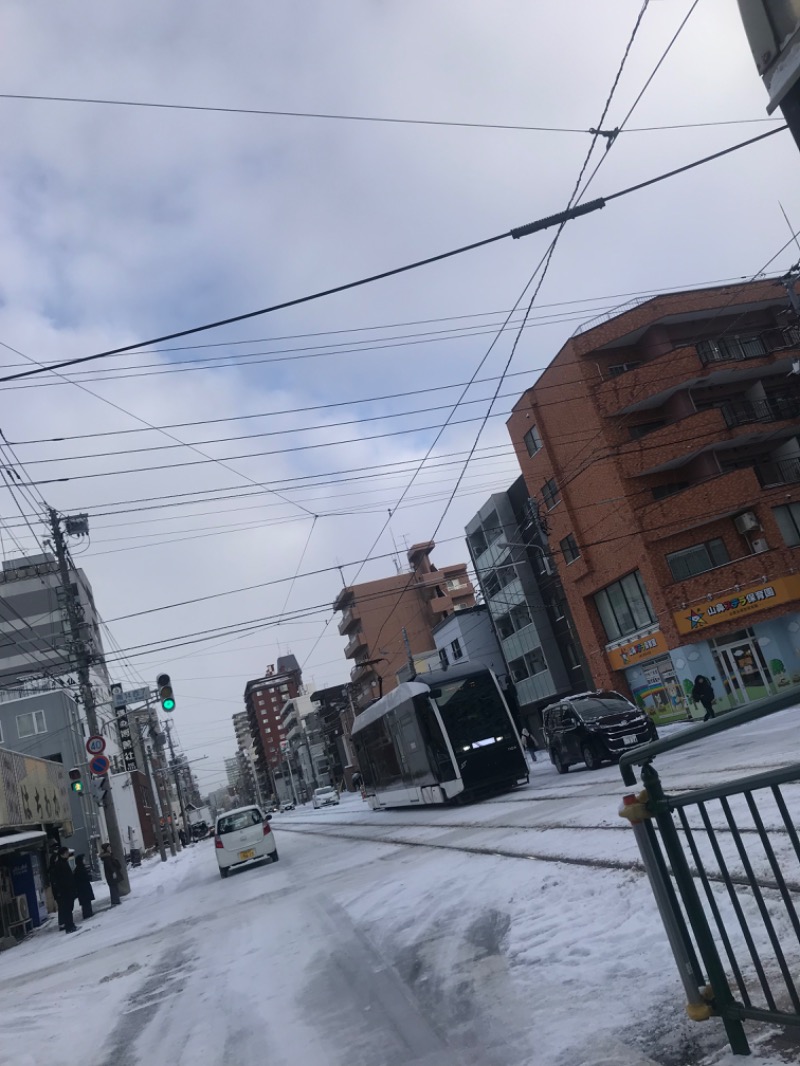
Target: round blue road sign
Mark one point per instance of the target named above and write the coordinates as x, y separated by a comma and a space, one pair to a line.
99, 765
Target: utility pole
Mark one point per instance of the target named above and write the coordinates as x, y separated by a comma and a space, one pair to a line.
409, 657
158, 832
773, 32
83, 660
178, 784
163, 800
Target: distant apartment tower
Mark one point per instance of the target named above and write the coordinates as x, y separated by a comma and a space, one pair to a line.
663, 451
264, 699
374, 614
526, 602
34, 633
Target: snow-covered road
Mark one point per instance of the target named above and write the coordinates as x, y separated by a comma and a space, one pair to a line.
360, 948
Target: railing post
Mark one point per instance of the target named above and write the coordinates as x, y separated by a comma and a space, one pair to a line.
723, 1001
634, 808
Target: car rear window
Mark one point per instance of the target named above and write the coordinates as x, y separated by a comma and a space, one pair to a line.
240, 820
598, 707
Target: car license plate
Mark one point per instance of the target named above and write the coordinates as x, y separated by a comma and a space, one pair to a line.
247, 854
629, 740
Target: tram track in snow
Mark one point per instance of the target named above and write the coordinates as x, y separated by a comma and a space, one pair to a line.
591, 862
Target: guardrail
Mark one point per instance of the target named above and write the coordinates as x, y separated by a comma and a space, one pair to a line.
724, 866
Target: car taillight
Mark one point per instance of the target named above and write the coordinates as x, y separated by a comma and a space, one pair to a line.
218, 842
266, 828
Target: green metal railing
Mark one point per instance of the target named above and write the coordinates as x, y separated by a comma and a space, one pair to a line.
724, 866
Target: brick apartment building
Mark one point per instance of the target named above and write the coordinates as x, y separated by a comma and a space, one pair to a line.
374, 614
264, 698
662, 447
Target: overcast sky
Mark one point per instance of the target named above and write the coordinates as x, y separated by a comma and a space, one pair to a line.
119, 223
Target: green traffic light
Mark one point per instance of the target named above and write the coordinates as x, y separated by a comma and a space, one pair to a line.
77, 786
168, 704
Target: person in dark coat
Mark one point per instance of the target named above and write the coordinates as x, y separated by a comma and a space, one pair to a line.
703, 692
51, 876
64, 890
113, 873
83, 887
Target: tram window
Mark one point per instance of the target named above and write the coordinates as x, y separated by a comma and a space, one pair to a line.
472, 710
435, 744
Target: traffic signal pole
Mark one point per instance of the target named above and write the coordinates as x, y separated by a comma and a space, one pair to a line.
82, 662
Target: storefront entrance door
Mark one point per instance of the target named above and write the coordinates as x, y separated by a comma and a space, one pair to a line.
744, 671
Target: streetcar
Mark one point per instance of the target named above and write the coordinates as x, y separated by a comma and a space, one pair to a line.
447, 738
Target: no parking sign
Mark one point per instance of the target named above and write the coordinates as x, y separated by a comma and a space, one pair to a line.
99, 765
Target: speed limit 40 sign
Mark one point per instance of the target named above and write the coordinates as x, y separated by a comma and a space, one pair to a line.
96, 745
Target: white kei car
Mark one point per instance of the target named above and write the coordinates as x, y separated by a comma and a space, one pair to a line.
243, 837
325, 797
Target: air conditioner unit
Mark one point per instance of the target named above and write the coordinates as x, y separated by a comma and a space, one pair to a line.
747, 522
21, 906
759, 544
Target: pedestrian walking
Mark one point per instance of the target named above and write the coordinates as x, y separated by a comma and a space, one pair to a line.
64, 890
529, 743
83, 887
703, 692
113, 873
52, 876
182, 837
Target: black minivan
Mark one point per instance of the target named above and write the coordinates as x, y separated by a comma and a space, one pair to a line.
594, 727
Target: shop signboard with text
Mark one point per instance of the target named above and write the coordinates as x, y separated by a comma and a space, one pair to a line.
638, 650
750, 599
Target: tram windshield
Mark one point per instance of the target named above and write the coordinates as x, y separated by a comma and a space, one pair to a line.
473, 712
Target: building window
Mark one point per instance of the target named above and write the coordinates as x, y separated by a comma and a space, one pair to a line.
520, 616
443, 658
550, 493
456, 651
625, 607
660, 492
490, 583
28, 725
570, 549
533, 442
454, 583
505, 627
532, 662
622, 368
477, 542
697, 559
788, 519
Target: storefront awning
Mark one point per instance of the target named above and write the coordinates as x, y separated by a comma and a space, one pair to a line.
19, 841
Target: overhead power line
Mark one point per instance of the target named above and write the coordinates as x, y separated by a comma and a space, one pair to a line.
518, 232
340, 117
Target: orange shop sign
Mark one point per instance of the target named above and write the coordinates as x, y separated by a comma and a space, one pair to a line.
637, 651
748, 600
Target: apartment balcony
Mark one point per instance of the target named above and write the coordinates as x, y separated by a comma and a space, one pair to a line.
355, 644
441, 604
350, 617
700, 504
752, 346
361, 671
673, 444
738, 573
734, 424
707, 363
778, 472
747, 412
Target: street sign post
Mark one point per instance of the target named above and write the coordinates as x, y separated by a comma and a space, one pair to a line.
99, 765
96, 745
134, 695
